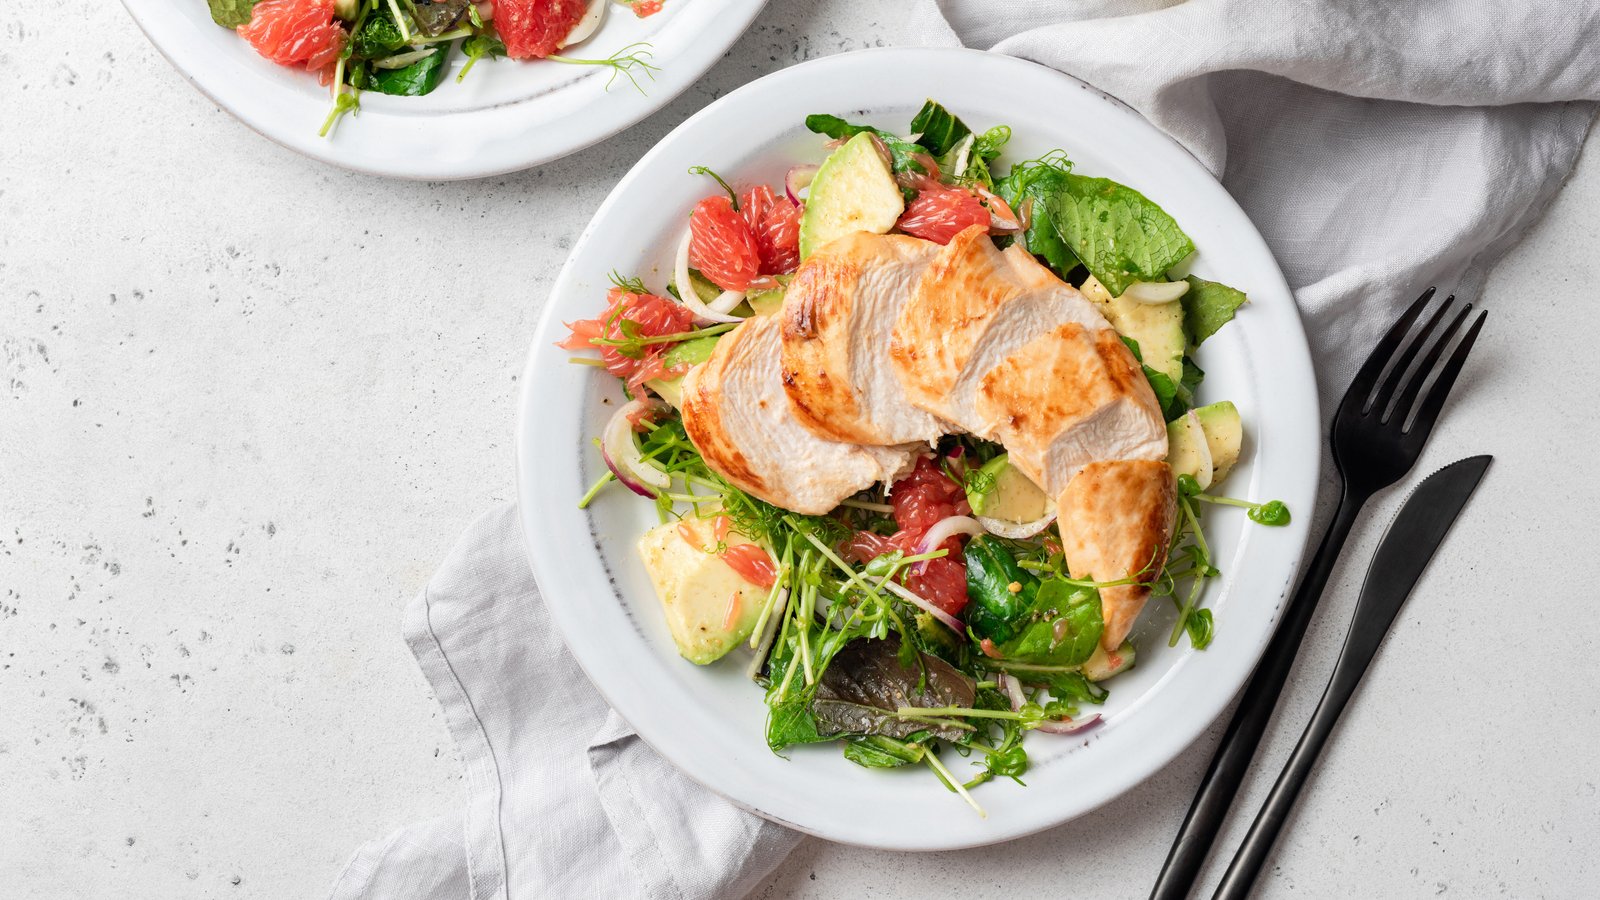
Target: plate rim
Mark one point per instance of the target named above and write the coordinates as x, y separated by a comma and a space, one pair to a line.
1303, 384
709, 48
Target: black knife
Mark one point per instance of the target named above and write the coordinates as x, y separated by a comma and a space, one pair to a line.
1402, 555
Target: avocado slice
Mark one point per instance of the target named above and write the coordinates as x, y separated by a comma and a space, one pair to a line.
852, 191
1188, 452
697, 589
1158, 327
1006, 493
1225, 435
1103, 664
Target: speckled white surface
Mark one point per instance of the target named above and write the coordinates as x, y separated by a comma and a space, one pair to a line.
247, 401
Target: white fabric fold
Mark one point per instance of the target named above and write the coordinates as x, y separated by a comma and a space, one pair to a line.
1378, 147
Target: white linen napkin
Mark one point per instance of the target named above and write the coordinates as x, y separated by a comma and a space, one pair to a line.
1378, 147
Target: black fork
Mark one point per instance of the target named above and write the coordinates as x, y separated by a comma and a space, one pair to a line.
1378, 433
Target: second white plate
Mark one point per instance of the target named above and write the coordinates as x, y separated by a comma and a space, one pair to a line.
507, 114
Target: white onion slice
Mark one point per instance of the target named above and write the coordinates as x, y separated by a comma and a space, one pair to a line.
945, 529
622, 455
963, 155
705, 313
941, 531
1016, 530
1156, 291
1013, 689
586, 26
1083, 724
798, 179
899, 590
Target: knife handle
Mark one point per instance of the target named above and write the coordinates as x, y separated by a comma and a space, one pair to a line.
1232, 760
1373, 617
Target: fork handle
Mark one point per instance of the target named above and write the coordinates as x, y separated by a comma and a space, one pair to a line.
1232, 760
1359, 649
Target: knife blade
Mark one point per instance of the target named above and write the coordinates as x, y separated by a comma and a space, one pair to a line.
1403, 554
1405, 551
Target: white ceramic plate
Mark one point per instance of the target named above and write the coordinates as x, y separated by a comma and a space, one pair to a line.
507, 114
708, 721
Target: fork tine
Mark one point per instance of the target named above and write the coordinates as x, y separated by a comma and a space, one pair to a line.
1428, 412
1396, 379
1408, 395
1361, 385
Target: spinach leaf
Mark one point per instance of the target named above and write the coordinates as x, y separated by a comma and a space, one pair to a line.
1172, 396
435, 17
866, 681
419, 78
937, 129
377, 37
1035, 183
1207, 306
231, 13
994, 610
1063, 627
1192, 376
1071, 686
877, 752
1118, 233
902, 153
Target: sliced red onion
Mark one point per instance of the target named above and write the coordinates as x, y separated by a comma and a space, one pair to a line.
899, 590
1156, 291
1013, 688
883, 151
1072, 726
1016, 530
622, 455
798, 179
705, 313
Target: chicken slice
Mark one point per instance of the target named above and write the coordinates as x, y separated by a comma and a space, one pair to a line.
1116, 522
976, 306
736, 413
837, 318
1067, 398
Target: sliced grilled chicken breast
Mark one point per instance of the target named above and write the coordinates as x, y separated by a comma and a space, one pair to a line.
838, 315
1116, 522
736, 412
1067, 398
973, 308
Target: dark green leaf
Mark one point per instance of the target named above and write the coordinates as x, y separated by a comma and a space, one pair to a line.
937, 129
1118, 233
1192, 376
875, 752
903, 154
378, 36
1063, 627
1207, 306
483, 45
1173, 398
419, 78
1030, 185
994, 610
231, 13
1071, 686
